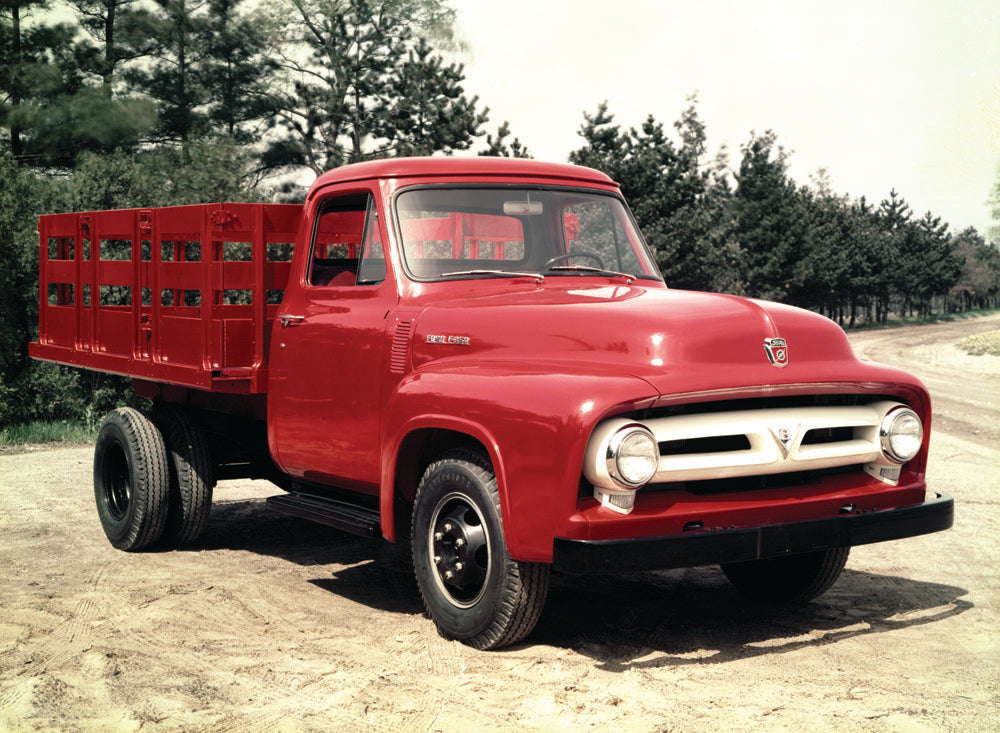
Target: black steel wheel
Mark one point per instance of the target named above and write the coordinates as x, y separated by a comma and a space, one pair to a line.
191, 475
472, 589
130, 479
788, 580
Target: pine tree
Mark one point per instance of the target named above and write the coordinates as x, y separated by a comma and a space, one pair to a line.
679, 203
51, 110
427, 110
122, 30
363, 83
770, 226
235, 72
172, 79
497, 147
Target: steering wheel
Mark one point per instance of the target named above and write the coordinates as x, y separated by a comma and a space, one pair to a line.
579, 253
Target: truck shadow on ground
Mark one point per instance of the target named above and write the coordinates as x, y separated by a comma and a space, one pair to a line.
251, 526
636, 620
694, 616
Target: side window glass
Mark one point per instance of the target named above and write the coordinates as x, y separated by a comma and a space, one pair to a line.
337, 240
372, 269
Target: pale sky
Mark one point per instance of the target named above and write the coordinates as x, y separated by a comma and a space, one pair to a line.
883, 93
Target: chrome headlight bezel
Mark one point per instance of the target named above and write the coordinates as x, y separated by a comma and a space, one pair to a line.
627, 440
897, 424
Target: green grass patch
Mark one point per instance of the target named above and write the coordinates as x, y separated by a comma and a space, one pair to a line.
14, 437
982, 344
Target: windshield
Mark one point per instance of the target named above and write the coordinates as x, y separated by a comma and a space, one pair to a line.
455, 233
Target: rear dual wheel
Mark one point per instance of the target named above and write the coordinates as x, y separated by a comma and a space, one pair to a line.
152, 478
191, 475
472, 589
788, 580
131, 479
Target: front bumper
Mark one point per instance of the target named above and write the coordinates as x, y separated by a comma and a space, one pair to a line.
755, 543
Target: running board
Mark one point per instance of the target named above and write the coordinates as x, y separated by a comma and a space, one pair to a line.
345, 517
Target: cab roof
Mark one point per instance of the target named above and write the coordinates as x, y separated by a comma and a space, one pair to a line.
490, 167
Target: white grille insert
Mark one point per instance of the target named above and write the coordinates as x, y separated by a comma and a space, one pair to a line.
751, 442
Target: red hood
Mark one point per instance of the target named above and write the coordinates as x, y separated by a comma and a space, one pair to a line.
678, 341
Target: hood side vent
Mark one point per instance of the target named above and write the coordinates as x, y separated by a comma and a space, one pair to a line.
400, 353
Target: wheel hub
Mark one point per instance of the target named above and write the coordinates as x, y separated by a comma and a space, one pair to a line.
460, 551
117, 483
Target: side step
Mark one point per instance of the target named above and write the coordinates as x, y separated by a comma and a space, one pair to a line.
345, 517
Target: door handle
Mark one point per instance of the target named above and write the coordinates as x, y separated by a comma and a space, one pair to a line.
287, 321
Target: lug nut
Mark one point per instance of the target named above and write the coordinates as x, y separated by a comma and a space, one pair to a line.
448, 575
437, 559
459, 542
438, 536
447, 527
459, 566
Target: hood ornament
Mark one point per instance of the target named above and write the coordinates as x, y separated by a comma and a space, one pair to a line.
777, 351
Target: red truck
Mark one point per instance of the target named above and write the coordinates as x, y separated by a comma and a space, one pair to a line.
479, 361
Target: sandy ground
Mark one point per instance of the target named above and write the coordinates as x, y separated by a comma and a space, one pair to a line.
272, 623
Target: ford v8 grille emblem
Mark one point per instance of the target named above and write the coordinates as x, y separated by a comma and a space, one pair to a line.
785, 436
777, 352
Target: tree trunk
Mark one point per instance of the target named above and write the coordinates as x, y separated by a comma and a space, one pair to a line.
15, 94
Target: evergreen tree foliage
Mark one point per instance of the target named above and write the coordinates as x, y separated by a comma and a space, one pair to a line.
426, 109
678, 202
49, 110
362, 83
770, 222
172, 78
978, 286
820, 270
769, 237
121, 31
498, 147
236, 72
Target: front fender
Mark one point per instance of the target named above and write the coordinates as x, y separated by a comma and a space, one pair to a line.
534, 421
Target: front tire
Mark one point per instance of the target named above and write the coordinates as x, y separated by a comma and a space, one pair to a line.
471, 587
788, 580
130, 479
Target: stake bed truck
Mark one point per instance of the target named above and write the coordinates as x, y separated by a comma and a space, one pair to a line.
479, 361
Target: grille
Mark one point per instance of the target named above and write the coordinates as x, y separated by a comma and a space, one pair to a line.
760, 442
755, 441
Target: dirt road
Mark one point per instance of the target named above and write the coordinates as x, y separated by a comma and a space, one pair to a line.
271, 623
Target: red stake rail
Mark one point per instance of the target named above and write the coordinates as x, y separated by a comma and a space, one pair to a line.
183, 295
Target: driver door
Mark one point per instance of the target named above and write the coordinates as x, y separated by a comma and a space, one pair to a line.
328, 350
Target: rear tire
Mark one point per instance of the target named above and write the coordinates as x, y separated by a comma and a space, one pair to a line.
191, 475
472, 589
130, 479
788, 580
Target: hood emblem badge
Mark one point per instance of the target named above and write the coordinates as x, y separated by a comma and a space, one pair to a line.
777, 351
435, 338
785, 436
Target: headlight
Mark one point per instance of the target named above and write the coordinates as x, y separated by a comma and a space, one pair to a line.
633, 456
901, 434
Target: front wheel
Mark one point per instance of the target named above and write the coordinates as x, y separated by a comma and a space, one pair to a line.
472, 589
788, 580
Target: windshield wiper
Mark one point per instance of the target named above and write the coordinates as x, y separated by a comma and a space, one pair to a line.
495, 273
597, 270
